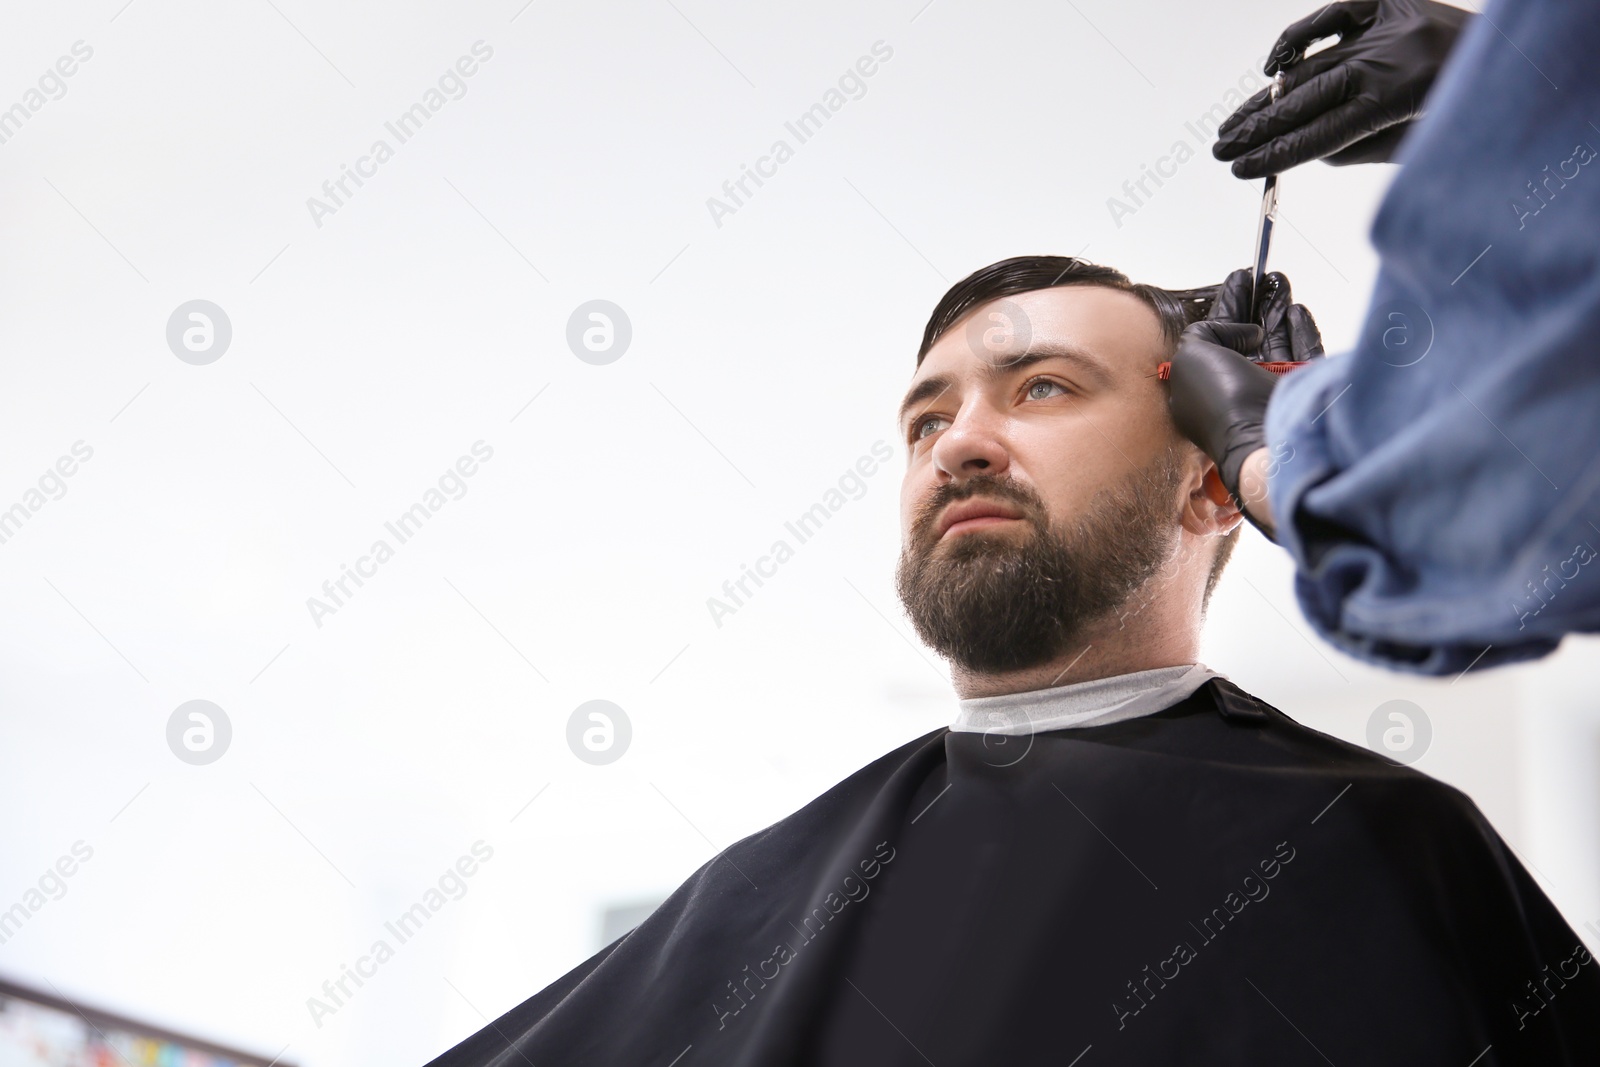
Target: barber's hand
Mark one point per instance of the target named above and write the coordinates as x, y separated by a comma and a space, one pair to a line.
1351, 102
1291, 332
1217, 395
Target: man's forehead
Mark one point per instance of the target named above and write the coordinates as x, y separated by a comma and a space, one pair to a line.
1115, 327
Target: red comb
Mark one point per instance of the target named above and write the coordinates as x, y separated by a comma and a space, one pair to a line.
1164, 371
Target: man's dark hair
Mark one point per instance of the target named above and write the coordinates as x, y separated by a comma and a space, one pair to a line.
1175, 308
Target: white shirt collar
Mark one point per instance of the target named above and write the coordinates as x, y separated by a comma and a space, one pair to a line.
1093, 703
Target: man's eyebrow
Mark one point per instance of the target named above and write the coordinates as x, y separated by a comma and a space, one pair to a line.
936, 385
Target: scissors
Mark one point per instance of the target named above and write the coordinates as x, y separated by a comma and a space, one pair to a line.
1264, 226
1260, 288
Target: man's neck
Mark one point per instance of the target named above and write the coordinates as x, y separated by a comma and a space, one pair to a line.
1109, 650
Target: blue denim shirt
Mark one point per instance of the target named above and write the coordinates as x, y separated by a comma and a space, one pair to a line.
1439, 486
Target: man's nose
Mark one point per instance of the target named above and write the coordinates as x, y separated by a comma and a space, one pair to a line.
974, 443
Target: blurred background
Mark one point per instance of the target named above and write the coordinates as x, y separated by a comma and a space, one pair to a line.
415, 359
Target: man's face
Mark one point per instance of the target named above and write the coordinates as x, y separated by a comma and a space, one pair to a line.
1045, 407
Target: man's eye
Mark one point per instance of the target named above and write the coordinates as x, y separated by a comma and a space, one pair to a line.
920, 429
1044, 383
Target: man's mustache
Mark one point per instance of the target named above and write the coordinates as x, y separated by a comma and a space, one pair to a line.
1012, 492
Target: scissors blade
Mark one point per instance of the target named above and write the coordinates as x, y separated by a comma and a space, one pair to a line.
1264, 226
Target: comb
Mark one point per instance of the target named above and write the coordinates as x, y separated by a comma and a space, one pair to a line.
1164, 370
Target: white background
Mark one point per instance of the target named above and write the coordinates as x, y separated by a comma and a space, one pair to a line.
370, 352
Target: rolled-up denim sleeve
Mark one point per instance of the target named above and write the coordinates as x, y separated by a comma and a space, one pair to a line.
1439, 485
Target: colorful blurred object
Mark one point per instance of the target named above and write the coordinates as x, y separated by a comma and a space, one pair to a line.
41, 1030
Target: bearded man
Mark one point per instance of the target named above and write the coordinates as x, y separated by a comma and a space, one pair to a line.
1113, 855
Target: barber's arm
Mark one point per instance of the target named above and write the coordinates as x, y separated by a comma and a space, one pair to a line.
1440, 487
1350, 103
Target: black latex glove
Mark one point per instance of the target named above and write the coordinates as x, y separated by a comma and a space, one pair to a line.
1351, 102
1218, 396
1291, 332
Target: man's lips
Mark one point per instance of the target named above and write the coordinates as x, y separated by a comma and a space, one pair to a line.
974, 514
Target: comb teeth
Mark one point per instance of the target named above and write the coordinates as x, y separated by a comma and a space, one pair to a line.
1164, 370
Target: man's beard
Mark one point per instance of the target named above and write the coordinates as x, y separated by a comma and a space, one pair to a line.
991, 602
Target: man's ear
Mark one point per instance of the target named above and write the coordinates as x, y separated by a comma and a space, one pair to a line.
1210, 508
1215, 490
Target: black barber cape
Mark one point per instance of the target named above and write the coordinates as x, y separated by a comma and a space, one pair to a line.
1210, 884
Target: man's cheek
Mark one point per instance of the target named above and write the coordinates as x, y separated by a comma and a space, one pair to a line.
911, 494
